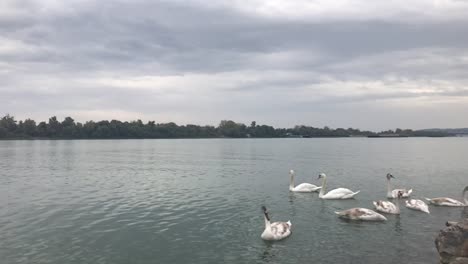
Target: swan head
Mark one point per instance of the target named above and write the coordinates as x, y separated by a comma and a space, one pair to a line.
322, 175
389, 176
291, 172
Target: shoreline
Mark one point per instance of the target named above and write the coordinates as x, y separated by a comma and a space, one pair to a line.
247, 138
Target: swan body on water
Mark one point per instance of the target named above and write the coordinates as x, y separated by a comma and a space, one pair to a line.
303, 187
445, 201
418, 205
388, 207
394, 193
276, 230
363, 214
339, 193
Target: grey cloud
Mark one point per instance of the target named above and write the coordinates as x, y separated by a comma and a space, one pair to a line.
192, 38
391, 96
59, 47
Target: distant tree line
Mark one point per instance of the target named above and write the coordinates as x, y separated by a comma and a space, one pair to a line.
114, 129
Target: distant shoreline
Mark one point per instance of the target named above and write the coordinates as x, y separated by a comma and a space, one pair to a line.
321, 137
28, 129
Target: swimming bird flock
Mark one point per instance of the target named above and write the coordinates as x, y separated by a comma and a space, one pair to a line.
280, 230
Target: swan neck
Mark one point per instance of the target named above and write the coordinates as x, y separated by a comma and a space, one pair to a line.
397, 204
291, 182
389, 188
324, 187
267, 222
465, 195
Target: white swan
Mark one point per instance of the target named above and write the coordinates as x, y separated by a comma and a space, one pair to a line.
418, 205
388, 207
361, 214
394, 193
276, 230
339, 193
445, 201
303, 187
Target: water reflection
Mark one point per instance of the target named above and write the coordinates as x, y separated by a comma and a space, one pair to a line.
198, 200
268, 254
397, 224
292, 197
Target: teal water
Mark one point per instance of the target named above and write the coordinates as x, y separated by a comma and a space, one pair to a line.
198, 201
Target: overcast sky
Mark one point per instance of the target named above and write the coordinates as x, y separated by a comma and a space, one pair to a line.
364, 64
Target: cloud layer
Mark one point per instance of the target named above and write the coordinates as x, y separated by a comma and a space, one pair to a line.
372, 65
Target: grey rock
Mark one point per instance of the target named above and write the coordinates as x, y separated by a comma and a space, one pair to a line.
460, 261
452, 243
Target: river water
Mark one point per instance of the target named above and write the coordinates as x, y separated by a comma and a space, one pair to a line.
198, 200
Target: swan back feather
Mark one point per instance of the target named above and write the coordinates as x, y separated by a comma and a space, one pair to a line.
386, 207
306, 187
418, 205
444, 201
361, 214
339, 193
405, 193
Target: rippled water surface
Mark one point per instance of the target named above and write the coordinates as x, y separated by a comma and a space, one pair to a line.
198, 201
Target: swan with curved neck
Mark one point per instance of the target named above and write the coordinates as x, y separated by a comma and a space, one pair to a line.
303, 187
339, 193
445, 201
388, 207
394, 193
276, 230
